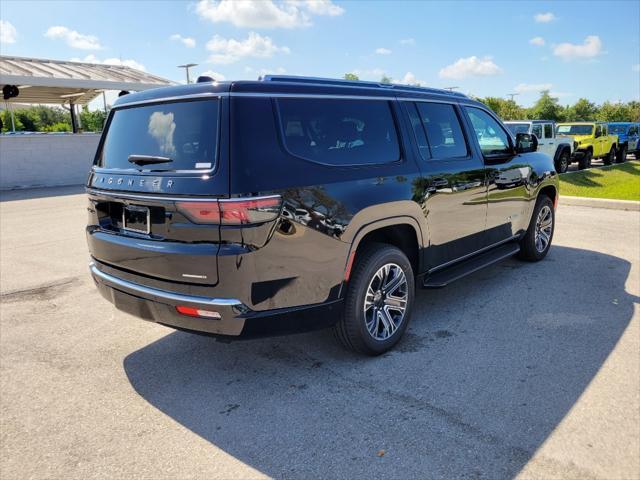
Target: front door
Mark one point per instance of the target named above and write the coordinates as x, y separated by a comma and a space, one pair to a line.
507, 174
452, 188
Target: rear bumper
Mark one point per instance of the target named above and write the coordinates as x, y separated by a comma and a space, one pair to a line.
236, 319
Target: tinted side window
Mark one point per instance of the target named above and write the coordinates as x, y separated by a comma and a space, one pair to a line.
492, 138
418, 130
339, 132
548, 130
443, 129
537, 131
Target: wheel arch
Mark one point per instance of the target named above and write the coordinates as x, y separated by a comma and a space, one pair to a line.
403, 232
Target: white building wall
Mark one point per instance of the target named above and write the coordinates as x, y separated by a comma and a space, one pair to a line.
46, 160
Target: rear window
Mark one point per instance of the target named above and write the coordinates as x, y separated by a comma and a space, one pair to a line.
339, 132
174, 136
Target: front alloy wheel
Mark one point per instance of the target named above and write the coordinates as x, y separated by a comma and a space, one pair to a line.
544, 228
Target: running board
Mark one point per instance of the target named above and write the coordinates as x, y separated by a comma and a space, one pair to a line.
448, 275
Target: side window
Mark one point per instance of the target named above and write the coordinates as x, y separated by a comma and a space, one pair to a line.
548, 130
339, 132
443, 130
598, 131
492, 138
537, 131
418, 130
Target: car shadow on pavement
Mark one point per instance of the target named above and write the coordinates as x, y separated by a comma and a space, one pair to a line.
487, 370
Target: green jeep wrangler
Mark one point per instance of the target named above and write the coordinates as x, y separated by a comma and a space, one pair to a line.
591, 140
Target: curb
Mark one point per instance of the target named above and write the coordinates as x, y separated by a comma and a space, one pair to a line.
630, 205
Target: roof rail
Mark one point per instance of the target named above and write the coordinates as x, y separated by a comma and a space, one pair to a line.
356, 83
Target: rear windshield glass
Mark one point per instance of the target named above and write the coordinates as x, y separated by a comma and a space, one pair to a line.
517, 127
339, 132
167, 136
575, 129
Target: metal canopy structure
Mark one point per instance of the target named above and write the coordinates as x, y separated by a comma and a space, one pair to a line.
65, 82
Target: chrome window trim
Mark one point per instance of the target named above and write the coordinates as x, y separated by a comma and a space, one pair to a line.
163, 294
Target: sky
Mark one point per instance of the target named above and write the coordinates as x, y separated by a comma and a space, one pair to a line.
484, 48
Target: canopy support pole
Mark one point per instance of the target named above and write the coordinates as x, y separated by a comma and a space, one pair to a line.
74, 119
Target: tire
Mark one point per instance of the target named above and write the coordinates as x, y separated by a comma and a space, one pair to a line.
622, 154
530, 248
562, 164
585, 161
363, 328
611, 156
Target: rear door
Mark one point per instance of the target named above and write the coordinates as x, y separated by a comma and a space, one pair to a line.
452, 188
154, 160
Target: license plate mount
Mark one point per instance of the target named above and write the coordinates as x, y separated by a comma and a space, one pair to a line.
136, 218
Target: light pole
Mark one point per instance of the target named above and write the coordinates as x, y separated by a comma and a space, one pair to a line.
512, 95
186, 67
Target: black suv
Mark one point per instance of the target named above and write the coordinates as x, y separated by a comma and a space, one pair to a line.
242, 209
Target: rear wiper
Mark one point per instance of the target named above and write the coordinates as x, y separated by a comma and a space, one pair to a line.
148, 159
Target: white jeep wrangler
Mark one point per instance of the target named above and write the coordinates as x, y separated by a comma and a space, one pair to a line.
558, 148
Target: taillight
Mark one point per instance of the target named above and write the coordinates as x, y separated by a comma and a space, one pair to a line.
197, 312
232, 212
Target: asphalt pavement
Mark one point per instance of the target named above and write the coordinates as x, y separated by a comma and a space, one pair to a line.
520, 370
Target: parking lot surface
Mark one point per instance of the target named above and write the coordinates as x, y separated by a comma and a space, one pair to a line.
520, 370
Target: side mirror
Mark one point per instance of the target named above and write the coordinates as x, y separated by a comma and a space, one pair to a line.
526, 142
598, 134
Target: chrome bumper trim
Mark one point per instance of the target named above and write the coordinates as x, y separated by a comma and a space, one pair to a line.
162, 294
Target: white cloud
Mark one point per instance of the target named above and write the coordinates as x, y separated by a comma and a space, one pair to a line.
323, 7
383, 51
532, 87
590, 48
408, 79
470, 66
407, 41
91, 58
74, 39
215, 75
266, 13
189, 42
265, 71
374, 74
539, 41
8, 32
544, 17
226, 51
635, 68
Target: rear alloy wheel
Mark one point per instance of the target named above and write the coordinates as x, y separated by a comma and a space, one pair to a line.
585, 161
536, 242
611, 157
379, 300
622, 154
562, 164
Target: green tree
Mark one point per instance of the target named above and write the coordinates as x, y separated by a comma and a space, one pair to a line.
546, 108
505, 109
92, 121
614, 112
581, 111
385, 79
351, 76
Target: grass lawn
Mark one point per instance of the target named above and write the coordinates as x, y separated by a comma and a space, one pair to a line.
619, 182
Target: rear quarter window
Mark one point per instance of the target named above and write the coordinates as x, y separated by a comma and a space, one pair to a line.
185, 132
339, 132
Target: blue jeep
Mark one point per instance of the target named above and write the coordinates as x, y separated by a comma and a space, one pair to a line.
628, 138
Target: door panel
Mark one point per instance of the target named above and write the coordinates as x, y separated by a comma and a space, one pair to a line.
507, 177
452, 188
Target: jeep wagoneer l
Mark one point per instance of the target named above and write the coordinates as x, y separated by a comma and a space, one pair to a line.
241, 209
